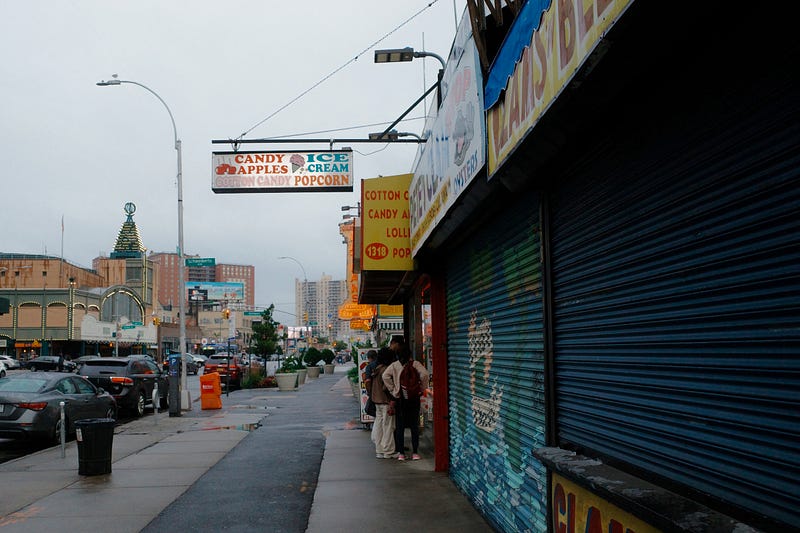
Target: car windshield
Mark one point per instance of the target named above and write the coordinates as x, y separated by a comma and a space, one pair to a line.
11, 384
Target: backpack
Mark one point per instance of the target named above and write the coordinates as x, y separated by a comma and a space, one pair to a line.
410, 382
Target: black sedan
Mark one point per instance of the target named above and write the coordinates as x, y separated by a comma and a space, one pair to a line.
30, 404
49, 362
131, 380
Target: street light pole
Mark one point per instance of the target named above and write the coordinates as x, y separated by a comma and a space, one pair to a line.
182, 394
305, 290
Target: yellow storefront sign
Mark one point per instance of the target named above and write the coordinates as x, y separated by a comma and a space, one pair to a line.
348, 311
385, 223
558, 48
576, 509
360, 324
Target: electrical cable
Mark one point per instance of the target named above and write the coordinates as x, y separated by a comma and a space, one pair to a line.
324, 79
339, 129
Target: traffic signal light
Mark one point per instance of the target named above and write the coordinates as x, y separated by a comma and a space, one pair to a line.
156, 321
305, 316
226, 314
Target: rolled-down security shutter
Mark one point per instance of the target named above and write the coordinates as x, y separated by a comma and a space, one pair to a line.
677, 307
495, 365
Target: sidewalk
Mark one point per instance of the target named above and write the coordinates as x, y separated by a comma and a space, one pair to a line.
161, 467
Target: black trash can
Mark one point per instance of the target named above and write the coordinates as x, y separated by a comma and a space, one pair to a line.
95, 437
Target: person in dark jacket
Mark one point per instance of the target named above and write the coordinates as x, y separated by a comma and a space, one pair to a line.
407, 410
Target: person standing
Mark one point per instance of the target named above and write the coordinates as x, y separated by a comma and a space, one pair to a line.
384, 424
366, 376
407, 406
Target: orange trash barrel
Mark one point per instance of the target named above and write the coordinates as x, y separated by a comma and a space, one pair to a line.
210, 391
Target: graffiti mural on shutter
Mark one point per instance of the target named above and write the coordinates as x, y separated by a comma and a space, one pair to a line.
495, 360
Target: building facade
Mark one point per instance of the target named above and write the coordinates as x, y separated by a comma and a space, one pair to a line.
611, 293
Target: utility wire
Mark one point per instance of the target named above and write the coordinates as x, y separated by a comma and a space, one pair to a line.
339, 129
323, 80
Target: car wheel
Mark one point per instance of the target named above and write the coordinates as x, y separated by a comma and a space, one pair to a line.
2, 373
141, 401
33, 368
111, 413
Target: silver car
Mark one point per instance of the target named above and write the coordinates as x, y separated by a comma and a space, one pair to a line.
10, 362
30, 404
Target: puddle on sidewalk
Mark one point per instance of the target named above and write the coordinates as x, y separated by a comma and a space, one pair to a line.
240, 427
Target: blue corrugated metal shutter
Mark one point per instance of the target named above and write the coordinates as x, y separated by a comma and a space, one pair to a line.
495, 365
677, 307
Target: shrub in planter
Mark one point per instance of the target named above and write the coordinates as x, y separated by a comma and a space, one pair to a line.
312, 357
290, 364
328, 356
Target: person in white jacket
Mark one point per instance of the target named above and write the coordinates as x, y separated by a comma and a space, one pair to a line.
406, 409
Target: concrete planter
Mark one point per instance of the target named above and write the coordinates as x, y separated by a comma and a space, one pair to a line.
329, 369
301, 376
286, 381
313, 372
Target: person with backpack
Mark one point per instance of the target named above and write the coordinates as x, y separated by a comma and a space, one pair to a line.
383, 425
406, 380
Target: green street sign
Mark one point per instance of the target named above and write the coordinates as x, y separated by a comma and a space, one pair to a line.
128, 326
200, 261
252, 313
137, 323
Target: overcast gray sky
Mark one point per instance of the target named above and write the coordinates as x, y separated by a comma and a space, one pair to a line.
74, 150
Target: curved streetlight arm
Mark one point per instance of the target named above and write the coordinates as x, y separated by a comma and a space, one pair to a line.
430, 54
116, 81
298, 264
305, 282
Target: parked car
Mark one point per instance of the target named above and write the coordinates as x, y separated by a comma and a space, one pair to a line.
2, 369
10, 362
83, 358
200, 359
191, 365
29, 404
229, 367
49, 363
130, 380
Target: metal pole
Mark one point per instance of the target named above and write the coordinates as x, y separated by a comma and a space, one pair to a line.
182, 394
63, 435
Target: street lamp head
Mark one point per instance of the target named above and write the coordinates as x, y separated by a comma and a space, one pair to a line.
114, 81
394, 55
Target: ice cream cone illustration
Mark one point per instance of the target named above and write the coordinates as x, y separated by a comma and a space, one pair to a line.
297, 162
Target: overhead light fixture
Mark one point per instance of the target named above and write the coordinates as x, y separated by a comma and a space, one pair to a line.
399, 55
393, 135
394, 55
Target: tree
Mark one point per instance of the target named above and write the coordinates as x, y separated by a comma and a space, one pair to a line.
265, 333
339, 346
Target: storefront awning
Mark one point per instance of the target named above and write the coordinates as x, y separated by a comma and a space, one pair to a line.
384, 286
